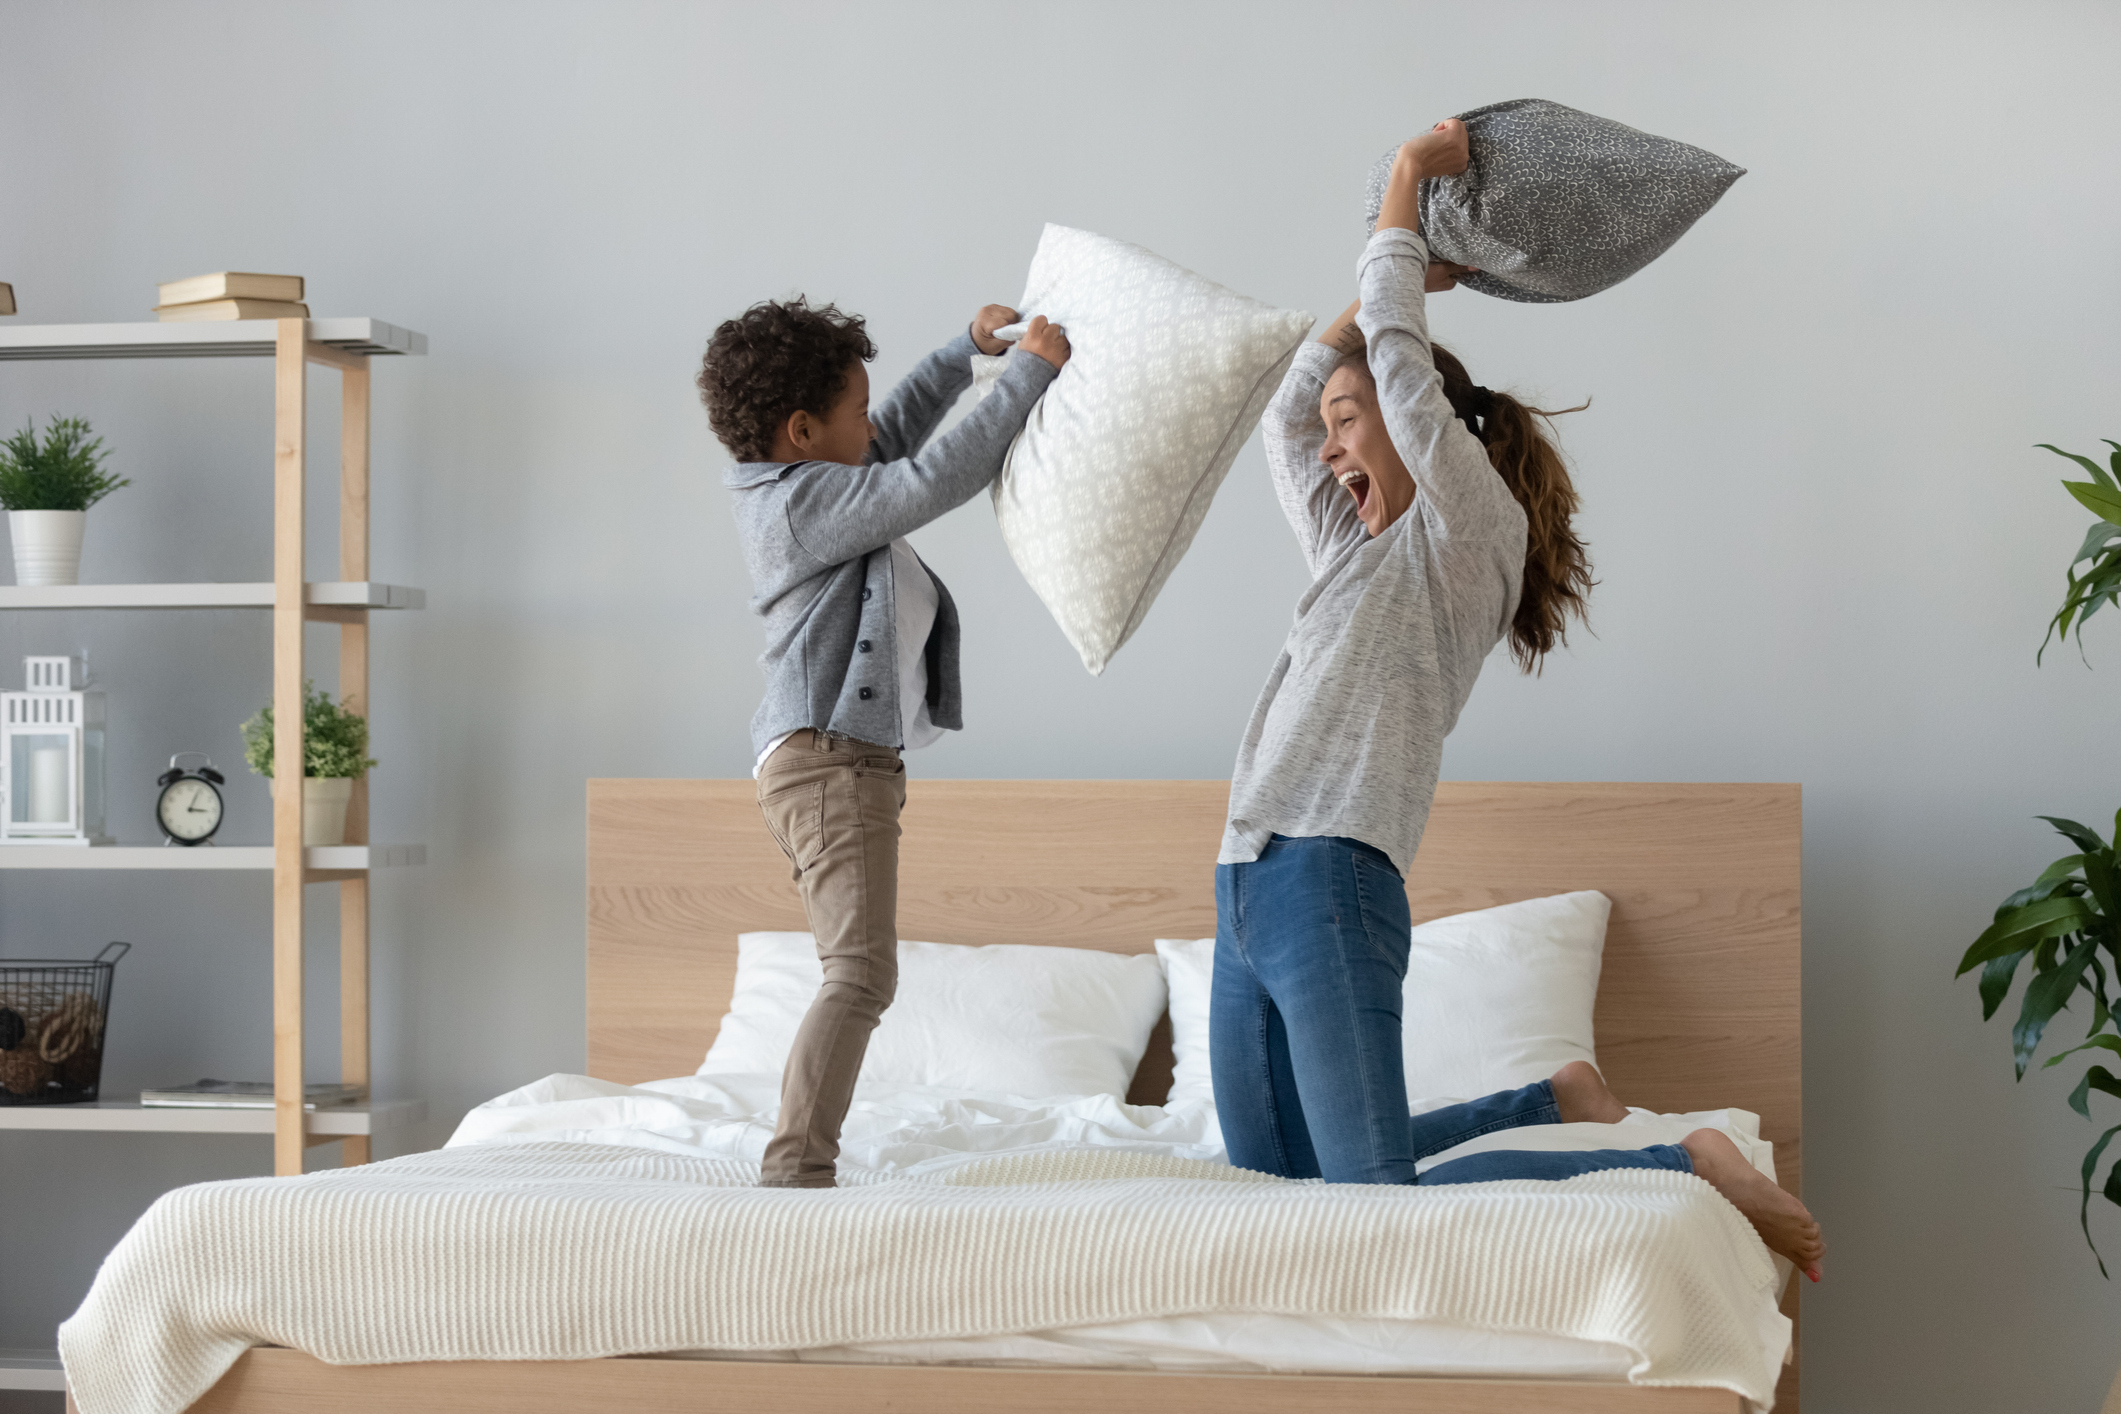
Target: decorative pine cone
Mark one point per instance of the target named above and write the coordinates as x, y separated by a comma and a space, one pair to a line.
83, 1069
23, 1071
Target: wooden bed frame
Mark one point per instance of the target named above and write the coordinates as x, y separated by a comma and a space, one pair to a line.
1698, 1008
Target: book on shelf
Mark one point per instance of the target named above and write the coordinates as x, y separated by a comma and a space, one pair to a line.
243, 1095
231, 284
231, 309
7, 298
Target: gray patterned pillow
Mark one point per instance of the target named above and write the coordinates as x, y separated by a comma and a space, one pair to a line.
1557, 204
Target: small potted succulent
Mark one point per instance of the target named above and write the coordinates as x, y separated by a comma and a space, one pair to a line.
335, 752
47, 488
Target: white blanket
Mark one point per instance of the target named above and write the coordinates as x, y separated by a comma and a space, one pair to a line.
536, 1245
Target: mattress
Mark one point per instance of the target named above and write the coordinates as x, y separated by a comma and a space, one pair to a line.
897, 1130
576, 1219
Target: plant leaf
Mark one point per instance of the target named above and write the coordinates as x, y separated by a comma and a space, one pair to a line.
2097, 1078
2082, 836
2104, 1043
2099, 878
2045, 995
2098, 472
1996, 981
2102, 501
2096, 540
2084, 1208
2061, 869
2024, 927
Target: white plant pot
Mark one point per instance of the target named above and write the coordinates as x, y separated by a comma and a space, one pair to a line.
47, 545
324, 802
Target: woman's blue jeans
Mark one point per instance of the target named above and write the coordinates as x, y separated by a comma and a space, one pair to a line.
1305, 1039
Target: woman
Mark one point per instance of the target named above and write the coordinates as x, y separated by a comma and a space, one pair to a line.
1434, 515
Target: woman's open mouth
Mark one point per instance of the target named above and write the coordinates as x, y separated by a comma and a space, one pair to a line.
1358, 484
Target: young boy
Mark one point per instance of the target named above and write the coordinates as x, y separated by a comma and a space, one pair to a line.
861, 637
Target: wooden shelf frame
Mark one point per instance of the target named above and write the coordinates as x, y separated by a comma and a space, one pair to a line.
294, 350
344, 345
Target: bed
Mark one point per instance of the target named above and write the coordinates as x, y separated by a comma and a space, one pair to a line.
1698, 1009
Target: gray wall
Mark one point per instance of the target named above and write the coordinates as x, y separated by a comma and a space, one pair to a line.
1826, 547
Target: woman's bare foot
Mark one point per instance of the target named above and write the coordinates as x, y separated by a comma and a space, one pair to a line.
1581, 1096
1783, 1223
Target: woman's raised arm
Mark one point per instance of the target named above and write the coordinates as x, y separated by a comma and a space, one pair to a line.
1319, 511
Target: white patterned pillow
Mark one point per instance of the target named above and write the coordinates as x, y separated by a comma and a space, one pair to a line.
1103, 489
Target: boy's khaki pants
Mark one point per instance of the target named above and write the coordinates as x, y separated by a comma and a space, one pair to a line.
833, 805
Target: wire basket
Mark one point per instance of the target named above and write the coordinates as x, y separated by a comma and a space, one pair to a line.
52, 1020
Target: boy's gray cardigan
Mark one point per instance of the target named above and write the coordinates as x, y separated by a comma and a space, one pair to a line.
817, 539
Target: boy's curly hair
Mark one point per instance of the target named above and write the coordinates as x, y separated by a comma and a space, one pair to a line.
774, 359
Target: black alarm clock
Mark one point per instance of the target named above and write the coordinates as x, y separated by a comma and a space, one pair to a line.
189, 808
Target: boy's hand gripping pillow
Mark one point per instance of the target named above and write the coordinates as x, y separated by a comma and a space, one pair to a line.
1557, 204
1104, 488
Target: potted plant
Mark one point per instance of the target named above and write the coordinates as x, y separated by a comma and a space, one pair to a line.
2064, 920
47, 488
334, 750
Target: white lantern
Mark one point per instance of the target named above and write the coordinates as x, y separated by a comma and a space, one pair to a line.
51, 757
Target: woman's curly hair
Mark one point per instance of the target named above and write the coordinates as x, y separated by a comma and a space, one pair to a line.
775, 359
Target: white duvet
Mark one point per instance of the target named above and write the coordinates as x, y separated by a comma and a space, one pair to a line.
575, 1218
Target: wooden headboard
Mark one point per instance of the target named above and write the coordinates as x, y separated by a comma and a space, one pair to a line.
1698, 1003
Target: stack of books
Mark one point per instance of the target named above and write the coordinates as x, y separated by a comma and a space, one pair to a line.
242, 1095
232, 294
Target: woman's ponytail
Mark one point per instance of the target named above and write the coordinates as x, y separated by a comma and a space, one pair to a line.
1557, 565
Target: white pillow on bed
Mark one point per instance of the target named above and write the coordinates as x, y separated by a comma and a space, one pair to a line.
1495, 999
1012, 1018
1169, 372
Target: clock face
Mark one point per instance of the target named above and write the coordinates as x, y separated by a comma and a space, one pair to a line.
189, 810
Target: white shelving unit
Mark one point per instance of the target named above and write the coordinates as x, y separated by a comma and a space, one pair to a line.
332, 594
293, 600
327, 1123
232, 338
334, 859
30, 1369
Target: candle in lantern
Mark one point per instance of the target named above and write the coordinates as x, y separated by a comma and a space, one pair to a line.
48, 803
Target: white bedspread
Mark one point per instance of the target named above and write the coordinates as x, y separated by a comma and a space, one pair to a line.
575, 1219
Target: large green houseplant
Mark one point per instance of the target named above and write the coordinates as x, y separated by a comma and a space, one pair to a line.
2067, 918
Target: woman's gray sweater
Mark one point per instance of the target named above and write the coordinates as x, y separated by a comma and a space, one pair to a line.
1348, 733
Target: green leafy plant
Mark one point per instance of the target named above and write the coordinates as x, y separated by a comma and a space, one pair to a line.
2101, 584
63, 473
2062, 921
334, 738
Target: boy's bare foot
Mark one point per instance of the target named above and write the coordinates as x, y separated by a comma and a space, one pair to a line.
1783, 1223
1581, 1096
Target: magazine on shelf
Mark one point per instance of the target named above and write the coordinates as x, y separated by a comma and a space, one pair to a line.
244, 1095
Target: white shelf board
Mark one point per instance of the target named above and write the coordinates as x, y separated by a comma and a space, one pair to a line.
230, 338
16, 855
350, 594
30, 1369
130, 1116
